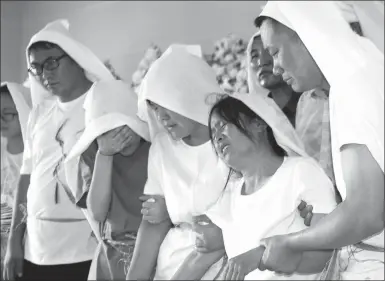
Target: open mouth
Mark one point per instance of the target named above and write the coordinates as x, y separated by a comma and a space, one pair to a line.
169, 127
224, 149
289, 81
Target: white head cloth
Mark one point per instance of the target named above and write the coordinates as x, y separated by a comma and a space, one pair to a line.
180, 80
357, 66
22, 99
109, 105
57, 32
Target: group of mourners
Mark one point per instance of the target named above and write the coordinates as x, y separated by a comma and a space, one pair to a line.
185, 182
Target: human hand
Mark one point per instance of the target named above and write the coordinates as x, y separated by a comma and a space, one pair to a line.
114, 140
13, 261
154, 208
209, 237
279, 256
306, 212
238, 267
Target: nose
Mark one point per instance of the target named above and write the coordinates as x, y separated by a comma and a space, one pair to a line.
265, 59
277, 70
46, 75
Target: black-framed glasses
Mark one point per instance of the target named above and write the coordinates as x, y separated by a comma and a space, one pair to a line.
49, 64
8, 117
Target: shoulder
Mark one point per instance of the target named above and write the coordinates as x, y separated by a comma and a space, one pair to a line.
302, 165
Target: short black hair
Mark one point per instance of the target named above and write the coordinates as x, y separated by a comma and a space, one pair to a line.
259, 20
230, 110
42, 45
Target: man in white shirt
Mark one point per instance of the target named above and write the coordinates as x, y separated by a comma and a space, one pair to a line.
351, 69
58, 238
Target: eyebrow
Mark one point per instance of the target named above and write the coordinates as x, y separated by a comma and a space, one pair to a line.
47, 59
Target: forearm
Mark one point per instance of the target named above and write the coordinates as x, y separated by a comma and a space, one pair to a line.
197, 264
99, 195
18, 225
314, 261
360, 216
148, 242
348, 224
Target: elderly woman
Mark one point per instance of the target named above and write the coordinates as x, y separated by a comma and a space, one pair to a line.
182, 165
350, 68
112, 173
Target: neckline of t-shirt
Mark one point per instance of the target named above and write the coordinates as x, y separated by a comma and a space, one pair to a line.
195, 147
268, 182
66, 106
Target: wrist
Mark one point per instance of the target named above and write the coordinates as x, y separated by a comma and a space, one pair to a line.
104, 154
293, 241
15, 237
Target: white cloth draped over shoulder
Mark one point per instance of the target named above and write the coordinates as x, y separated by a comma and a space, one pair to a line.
190, 177
109, 105
46, 217
356, 79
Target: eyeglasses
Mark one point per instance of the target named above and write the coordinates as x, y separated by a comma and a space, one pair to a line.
49, 64
8, 117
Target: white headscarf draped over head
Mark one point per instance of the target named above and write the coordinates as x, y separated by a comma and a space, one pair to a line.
180, 80
269, 111
252, 80
109, 105
338, 51
353, 65
57, 32
22, 99
351, 13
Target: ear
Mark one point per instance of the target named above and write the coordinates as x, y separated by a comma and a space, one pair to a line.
257, 126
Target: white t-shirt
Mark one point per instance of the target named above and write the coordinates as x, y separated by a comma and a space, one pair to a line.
272, 210
357, 117
191, 180
57, 231
10, 173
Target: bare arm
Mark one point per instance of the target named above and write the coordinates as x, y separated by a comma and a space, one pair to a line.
359, 216
18, 225
197, 264
148, 242
99, 195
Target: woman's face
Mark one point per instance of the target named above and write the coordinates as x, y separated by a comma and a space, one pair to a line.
177, 126
10, 124
232, 146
